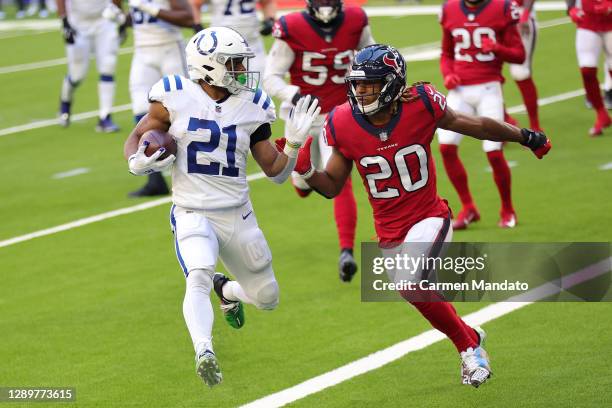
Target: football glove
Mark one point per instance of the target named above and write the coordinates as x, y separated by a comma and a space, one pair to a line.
197, 28
67, 31
297, 97
299, 123
266, 26
114, 14
139, 164
123, 32
576, 14
451, 81
488, 45
151, 9
536, 141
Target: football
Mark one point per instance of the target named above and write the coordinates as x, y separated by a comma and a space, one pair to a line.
158, 139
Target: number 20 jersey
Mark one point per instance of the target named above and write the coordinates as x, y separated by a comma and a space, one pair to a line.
394, 161
322, 58
463, 30
213, 140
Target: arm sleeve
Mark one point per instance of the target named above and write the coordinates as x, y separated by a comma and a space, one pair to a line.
366, 37
434, 100
447, 57
263, 132
510, 48
278, 62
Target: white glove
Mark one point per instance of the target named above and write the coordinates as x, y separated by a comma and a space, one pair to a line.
299, 123
146, 6
140, 164
114, 14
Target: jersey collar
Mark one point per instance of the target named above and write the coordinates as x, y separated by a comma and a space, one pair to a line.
325, 35
473, 11
381, 133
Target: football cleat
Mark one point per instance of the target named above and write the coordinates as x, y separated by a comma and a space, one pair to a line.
603, 121
475, 367
64, 119
482, 335
106, 125
466, 216
507, 220
207, 368
347, 267
232, 309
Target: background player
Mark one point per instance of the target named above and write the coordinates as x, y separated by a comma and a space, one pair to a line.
522, 73
594, 34
242, 17
85, 29
477, 37
158, 51
390, 143
216, 117
316, 48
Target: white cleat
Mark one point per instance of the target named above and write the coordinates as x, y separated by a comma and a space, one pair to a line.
475, 367
207, 368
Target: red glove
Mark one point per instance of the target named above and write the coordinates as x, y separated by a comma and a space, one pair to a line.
451, 81
488, 45
303, 166
576, 14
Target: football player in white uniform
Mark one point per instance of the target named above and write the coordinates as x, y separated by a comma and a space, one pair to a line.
158, 51
241, 16
216, 117
90, 25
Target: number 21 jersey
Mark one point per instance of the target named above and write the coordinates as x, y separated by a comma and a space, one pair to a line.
213, 140
394, 161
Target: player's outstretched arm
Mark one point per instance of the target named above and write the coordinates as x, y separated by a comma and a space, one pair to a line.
279, 60
484, 128
157, 118
276, 165
329, 182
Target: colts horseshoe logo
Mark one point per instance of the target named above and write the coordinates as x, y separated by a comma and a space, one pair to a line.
214, 45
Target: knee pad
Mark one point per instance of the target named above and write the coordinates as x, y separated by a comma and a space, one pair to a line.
520, 72
200, 278
267, 295
257, 254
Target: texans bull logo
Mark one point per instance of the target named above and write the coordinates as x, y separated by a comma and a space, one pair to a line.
391, 61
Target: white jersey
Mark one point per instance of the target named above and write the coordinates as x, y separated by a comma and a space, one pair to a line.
86, 9
213, 141
237, 14
149, 30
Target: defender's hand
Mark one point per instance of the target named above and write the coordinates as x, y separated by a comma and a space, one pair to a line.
576, 14
151, 9
114, 14
300, 121
139, 164
67, 31
303, 165
536, 141
488, 45
452, 81
266, 26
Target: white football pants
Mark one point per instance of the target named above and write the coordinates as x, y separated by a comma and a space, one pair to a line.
589, 45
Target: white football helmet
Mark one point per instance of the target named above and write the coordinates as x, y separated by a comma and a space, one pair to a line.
216, 54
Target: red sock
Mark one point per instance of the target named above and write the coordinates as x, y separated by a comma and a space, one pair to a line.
591, 87
345, 212
456, 173
530, 98
443, 316
502, 177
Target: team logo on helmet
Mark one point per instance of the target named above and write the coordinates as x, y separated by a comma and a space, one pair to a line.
391, 61
212, 48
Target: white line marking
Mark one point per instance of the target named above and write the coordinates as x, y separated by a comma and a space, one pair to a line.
511, 164
607, 166
71, 173
549, 100
423, 340
48, 63
101, 217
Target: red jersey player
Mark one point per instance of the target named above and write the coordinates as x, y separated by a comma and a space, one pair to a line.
390, 143
478, 37
316, 48
594, 34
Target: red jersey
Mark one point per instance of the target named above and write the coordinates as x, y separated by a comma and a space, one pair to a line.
322, 58
463, 29
596, 17
394, 161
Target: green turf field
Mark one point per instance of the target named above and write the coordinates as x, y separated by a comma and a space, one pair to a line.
99, 307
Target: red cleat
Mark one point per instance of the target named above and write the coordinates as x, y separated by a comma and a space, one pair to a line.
603, 121
466, 216
507, 220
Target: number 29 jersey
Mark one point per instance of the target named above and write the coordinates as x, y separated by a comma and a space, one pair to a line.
394, 161
213, 140
322, 58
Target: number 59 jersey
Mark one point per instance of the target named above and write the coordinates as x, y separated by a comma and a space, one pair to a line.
213, 140
394, 161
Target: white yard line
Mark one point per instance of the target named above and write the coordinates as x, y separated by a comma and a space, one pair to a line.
71, 173
423, 340
607, 166
151, 204
100, 217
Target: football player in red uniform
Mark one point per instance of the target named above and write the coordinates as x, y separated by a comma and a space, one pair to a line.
389, 140
594, 34
521, 73
478, 37
316, 48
